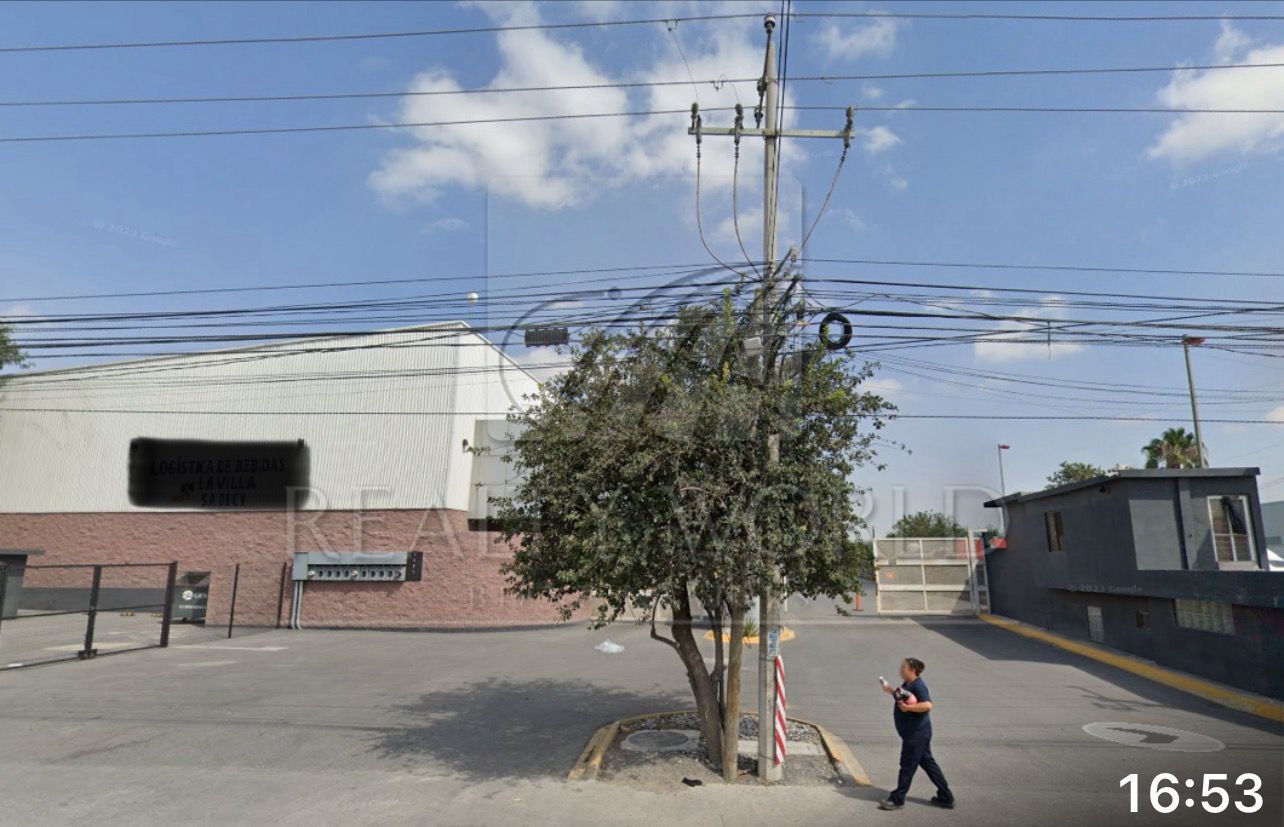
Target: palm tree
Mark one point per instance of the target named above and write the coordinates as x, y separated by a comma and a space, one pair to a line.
1175, 448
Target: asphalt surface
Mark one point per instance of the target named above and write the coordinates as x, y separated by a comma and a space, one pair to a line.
325, 727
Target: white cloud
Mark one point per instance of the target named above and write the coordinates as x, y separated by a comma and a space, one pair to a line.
886, 387
19, 311
1230, 42
788, 229
557, 163
877, 38
1200, 135
898, 183
880, 138
853, 221
999, 348
446, 225
1276, 415
872, 91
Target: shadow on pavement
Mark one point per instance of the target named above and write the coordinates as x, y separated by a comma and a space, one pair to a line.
512, 729
994, 643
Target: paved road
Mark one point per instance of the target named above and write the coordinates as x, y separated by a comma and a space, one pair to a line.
480, 728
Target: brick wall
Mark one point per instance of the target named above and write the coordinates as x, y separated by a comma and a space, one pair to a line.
461, 588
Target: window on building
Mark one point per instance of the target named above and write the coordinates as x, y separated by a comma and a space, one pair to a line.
1143, 619
1205, 616
1056, 534
1232, 531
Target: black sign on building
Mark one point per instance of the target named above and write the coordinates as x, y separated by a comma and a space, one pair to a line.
200, 474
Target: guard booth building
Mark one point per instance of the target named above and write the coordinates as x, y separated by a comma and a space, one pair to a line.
1166, 564
370, 458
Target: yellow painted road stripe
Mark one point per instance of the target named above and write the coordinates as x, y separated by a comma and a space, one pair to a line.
1208, 690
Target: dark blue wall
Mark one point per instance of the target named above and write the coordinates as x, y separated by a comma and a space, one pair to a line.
1134, 545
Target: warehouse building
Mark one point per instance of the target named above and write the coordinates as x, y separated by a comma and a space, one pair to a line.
1167, 564
349, 478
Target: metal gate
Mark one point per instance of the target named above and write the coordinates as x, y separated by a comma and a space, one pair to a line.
931, 576
80, 611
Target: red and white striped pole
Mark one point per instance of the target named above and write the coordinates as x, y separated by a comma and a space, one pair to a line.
782, 726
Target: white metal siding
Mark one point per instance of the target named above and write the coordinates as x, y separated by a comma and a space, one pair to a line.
384, 417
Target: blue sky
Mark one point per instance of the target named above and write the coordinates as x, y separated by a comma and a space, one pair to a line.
1121, 190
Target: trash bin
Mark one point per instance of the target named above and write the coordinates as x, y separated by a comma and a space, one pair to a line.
191, 596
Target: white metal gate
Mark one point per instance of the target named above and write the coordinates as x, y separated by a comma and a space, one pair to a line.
931, 576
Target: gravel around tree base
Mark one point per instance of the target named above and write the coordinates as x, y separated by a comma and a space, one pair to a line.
659, 771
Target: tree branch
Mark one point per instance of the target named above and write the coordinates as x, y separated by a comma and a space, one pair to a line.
655, 605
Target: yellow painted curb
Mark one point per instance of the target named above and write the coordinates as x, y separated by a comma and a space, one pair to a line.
589, 763
841, 756
590, 760
1208, 690
752, 640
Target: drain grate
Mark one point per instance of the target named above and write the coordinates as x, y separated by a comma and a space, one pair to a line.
662, 740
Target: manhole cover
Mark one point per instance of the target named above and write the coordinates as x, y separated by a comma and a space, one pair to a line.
661, 740
1152, 736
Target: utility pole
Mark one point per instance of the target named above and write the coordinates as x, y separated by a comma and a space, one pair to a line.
769, 601
1201, 458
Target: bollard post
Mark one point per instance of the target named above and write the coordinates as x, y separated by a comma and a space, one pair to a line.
231, 612
89, 651
167, 614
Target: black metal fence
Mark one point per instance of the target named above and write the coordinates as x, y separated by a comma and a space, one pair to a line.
82, 611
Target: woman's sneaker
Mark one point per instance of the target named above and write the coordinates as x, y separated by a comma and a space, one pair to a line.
888, 804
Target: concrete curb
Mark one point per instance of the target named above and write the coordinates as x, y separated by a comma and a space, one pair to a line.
589, 764
1208, 690
845, 763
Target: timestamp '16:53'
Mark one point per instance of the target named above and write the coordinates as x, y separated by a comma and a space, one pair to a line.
1166, 792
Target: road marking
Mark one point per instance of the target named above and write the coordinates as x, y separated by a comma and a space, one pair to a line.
206, 663
1152, 736
105, 644
1208, 690
234, 648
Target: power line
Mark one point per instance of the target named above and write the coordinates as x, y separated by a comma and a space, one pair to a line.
699, 268
592, 24
283, 130
331, 38
268, 412
1073, 268
660, 269
1052, 18
1087, 110
646, 84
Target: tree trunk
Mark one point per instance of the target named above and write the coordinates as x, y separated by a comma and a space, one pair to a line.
731, 714
706, 696
719, 672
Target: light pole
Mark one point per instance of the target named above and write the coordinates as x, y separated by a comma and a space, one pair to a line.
1003, 488
1201, 459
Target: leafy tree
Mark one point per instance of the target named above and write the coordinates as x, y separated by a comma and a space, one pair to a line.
927, 524
662, 472
10, 354
1175, 448
1074, 472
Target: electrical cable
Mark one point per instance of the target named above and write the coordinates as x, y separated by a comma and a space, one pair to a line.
642, 84
282, 130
